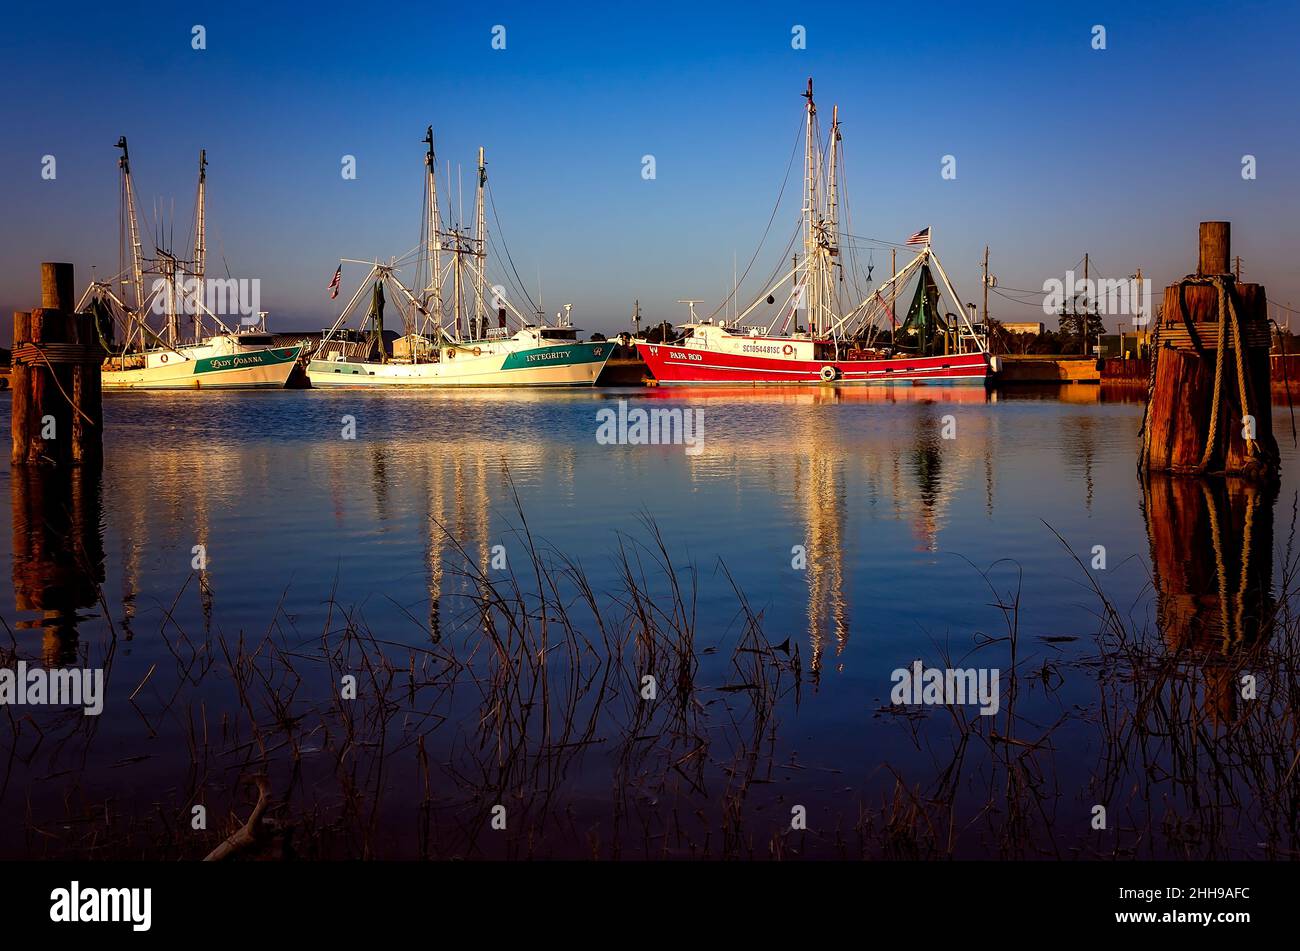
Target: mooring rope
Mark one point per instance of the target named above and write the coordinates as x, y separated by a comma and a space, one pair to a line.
63, 354
1212, 432
1228, 314
68, 353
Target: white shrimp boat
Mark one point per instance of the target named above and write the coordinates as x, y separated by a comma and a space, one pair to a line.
538, 356
160, 360
233, 361
447, 339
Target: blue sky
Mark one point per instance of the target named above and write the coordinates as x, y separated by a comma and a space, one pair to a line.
1060, 148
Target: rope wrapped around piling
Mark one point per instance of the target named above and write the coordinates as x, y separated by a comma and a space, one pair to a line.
1229, 319
57, 354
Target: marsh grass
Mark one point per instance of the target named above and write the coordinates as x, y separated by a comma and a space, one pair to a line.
525, 690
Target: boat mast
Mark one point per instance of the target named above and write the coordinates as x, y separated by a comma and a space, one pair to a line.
480, 240
137, 265
810, 207
433, 249
456, 295
200, 245
831, 229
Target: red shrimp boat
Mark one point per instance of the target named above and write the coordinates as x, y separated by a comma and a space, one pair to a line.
812, 337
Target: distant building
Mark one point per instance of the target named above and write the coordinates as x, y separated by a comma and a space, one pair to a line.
1022, 327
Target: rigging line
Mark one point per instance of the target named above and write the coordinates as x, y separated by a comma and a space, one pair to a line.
515, 287
789, 165
1020, 290
877, 242
1030, 298
1290, 310
497, 221
1016, 300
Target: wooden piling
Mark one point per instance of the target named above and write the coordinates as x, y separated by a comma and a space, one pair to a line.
1210, 405
57, 409
1215, 248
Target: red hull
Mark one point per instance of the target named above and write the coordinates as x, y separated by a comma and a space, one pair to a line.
677, 365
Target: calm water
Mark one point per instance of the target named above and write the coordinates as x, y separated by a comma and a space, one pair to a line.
311, 538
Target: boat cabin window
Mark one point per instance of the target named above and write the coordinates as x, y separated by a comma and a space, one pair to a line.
256, 340
559, 333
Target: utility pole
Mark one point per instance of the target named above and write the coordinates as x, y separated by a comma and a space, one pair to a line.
1083, 321
1236, 267
1137, 320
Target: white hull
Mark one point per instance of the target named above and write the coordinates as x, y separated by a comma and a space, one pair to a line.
220, 365
497, 364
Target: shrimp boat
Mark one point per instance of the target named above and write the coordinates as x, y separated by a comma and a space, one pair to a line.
824, 329
148, 359
447, 340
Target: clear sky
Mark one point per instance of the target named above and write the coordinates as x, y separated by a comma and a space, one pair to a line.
1060, 148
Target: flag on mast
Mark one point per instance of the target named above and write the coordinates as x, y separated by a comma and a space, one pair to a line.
921, 237
334, 282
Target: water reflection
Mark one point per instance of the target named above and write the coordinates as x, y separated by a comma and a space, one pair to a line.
1212, 566
58, 552
400, 519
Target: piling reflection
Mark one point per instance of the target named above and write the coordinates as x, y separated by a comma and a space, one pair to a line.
1212, 566
58, 552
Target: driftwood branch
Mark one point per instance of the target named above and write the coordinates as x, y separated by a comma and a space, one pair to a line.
245, 835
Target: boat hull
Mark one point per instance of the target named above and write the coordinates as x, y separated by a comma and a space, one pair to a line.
251, 370
674, 365
570, 364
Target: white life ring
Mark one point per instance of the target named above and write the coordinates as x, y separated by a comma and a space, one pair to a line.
829, 374
164, 358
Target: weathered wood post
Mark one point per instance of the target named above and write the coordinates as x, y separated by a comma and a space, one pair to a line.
1210, 406
57, 409
56, 420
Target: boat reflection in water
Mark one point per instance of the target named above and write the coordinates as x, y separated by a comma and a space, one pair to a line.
914, 468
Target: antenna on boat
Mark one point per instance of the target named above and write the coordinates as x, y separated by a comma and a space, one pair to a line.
690, 306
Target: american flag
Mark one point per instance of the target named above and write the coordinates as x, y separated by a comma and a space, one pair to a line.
921, 237
334, 282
